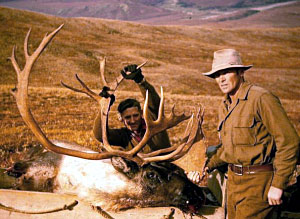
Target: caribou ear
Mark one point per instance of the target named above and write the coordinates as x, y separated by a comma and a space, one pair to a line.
127, 167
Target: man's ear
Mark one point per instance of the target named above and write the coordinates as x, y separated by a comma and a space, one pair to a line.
127, 167
241, 72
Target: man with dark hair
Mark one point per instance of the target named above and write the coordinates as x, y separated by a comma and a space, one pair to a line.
128, 103
131, 114
258, 142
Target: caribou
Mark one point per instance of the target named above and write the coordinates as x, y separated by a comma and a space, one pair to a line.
112, 178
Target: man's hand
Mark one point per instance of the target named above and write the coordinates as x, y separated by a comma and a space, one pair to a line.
196, 177
105, 93
274, 196
131, 72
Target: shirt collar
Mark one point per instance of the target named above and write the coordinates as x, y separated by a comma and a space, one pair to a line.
242, 93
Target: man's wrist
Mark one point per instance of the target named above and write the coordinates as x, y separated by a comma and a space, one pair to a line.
142, 81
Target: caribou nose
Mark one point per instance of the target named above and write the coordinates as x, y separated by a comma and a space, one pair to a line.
191, 208
195, 200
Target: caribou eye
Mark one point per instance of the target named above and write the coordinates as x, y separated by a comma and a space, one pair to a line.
151, 175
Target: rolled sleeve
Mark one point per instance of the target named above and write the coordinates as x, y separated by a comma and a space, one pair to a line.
215, 160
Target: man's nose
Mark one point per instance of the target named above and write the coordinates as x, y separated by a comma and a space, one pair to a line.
222, 77
132, 120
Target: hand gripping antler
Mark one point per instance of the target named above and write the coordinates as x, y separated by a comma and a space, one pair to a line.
107, 92
108, 88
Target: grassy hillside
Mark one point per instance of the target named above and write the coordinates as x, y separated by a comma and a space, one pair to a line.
176, 57
173, 52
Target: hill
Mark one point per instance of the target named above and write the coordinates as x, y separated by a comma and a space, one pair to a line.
285, 16
162, 12
176, 57
113, 9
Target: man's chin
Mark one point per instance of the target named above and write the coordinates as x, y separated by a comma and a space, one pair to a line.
133, 128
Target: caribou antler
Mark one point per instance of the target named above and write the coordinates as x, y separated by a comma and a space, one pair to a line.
21, 95
108, 91
153, 127
108, 88
193, 133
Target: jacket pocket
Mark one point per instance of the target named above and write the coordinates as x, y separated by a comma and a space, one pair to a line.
243, 132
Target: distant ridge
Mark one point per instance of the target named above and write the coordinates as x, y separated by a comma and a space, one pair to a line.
276, 13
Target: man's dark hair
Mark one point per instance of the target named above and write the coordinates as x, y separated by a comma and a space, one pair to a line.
128, 103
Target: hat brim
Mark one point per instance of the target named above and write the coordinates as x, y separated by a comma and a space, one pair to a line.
212, 72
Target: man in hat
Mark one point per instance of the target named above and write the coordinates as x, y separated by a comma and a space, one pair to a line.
258, 142
130, 113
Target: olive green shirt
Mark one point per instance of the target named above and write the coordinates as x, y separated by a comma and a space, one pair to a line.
256, 130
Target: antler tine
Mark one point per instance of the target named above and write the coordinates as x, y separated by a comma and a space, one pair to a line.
182, 149
141, 65
71, 88
195, 137
110, 87
85, 89
105, 108
102, 62
169, 156
172, 148
26, 44
193, 133
45, 41
161, 112
89, 92
14, 62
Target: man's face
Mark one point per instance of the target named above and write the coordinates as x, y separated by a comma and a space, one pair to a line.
229, 80
132, 118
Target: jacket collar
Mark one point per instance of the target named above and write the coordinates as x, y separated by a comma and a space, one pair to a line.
242, 95
242, 92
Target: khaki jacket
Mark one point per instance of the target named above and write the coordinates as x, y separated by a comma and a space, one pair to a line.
122, 137
256, 130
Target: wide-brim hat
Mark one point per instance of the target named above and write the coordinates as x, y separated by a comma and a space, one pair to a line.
225, 59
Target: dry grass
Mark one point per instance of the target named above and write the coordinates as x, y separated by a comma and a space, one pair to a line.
176, 56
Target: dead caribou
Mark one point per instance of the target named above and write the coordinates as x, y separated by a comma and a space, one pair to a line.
113, 179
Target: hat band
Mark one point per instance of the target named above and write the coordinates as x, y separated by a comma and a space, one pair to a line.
227, 65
